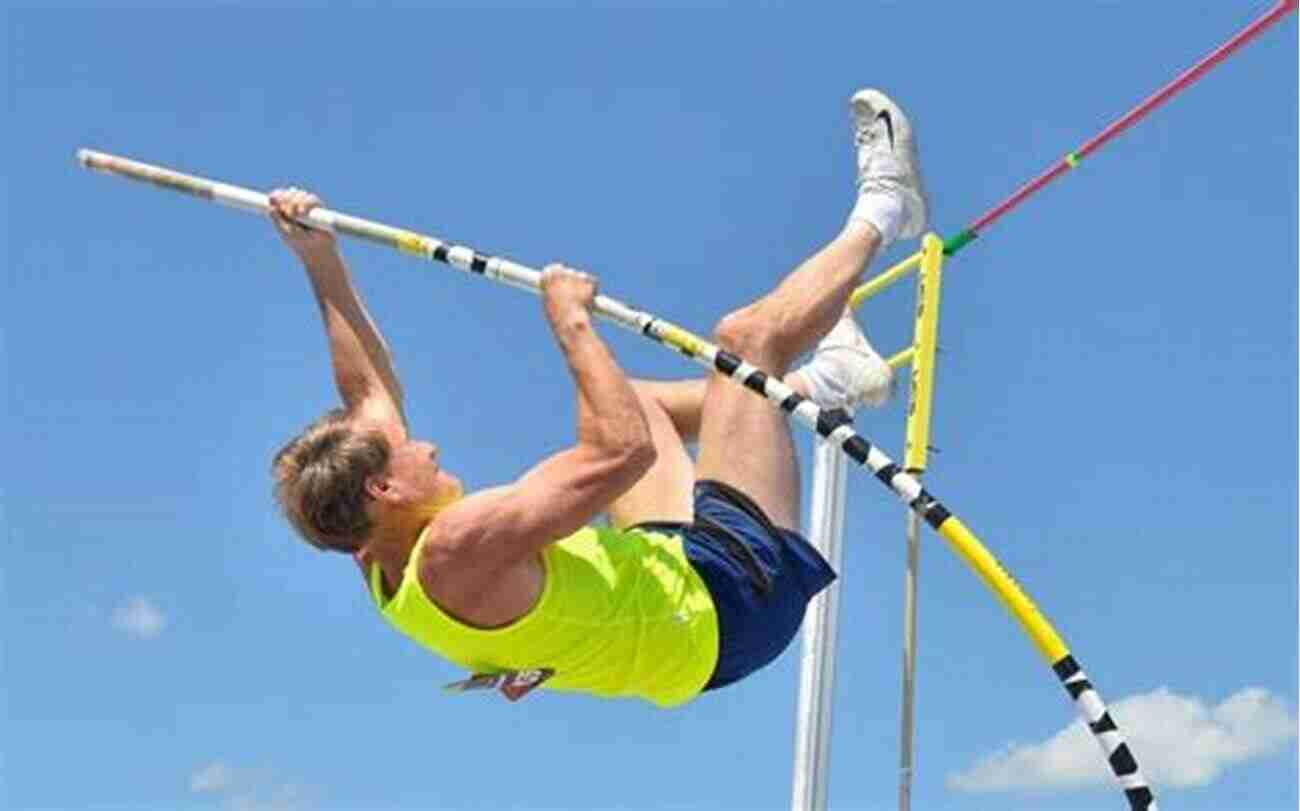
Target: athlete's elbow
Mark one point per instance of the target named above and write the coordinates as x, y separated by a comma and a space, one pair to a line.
640, 457
639, 446
626, 446
630, 466
623, 463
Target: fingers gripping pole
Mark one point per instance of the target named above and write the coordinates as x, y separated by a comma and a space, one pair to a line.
831, 428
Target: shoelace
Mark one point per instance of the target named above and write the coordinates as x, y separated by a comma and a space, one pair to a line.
866, 136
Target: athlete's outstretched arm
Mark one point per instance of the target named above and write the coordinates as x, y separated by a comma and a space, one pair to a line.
363, 368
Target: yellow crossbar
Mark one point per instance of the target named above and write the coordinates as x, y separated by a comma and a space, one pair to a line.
901, 358
884, 280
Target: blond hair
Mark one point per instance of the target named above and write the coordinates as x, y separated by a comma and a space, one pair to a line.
320, 477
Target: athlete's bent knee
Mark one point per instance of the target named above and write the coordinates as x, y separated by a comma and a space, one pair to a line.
746, 332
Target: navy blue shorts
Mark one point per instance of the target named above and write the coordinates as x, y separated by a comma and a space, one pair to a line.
760, 576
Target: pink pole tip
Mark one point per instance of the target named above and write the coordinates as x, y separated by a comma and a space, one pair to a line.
1179, 83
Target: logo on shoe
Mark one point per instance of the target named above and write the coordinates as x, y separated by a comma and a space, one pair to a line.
889, 125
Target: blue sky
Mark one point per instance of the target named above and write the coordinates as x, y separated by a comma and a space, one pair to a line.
1116, 397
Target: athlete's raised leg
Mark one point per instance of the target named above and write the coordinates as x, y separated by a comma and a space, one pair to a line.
744, 442
845, 372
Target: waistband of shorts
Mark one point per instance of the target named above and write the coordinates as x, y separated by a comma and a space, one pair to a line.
736, 549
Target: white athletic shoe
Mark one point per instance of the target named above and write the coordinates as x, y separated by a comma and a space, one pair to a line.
846, 371
887, 159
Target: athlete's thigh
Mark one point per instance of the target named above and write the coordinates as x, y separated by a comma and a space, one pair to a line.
746, 443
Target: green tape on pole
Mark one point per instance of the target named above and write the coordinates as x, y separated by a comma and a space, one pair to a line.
1072, 159
954, 244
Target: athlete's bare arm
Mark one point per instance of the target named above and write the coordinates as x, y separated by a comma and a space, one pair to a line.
363, 368
499, 528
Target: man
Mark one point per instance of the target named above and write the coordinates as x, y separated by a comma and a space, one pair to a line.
702, 577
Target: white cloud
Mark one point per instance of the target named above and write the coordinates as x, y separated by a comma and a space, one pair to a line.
244, 789
1179, 742
286, 797
213, 777
139, 618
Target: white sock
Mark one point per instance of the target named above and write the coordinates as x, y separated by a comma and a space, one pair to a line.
882, 211
823, 389
842, 373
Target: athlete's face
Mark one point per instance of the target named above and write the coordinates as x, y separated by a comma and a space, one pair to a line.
415, 468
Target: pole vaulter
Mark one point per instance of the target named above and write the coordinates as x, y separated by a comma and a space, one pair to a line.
832, 428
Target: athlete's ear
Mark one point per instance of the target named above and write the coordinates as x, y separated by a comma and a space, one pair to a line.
379, 487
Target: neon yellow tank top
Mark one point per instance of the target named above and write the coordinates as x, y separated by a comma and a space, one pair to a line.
622, 613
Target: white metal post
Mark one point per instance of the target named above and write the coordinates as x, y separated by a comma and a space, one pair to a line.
812, 743
907, 724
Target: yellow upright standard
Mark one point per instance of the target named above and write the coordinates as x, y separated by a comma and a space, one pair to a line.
921, 357
925, 343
